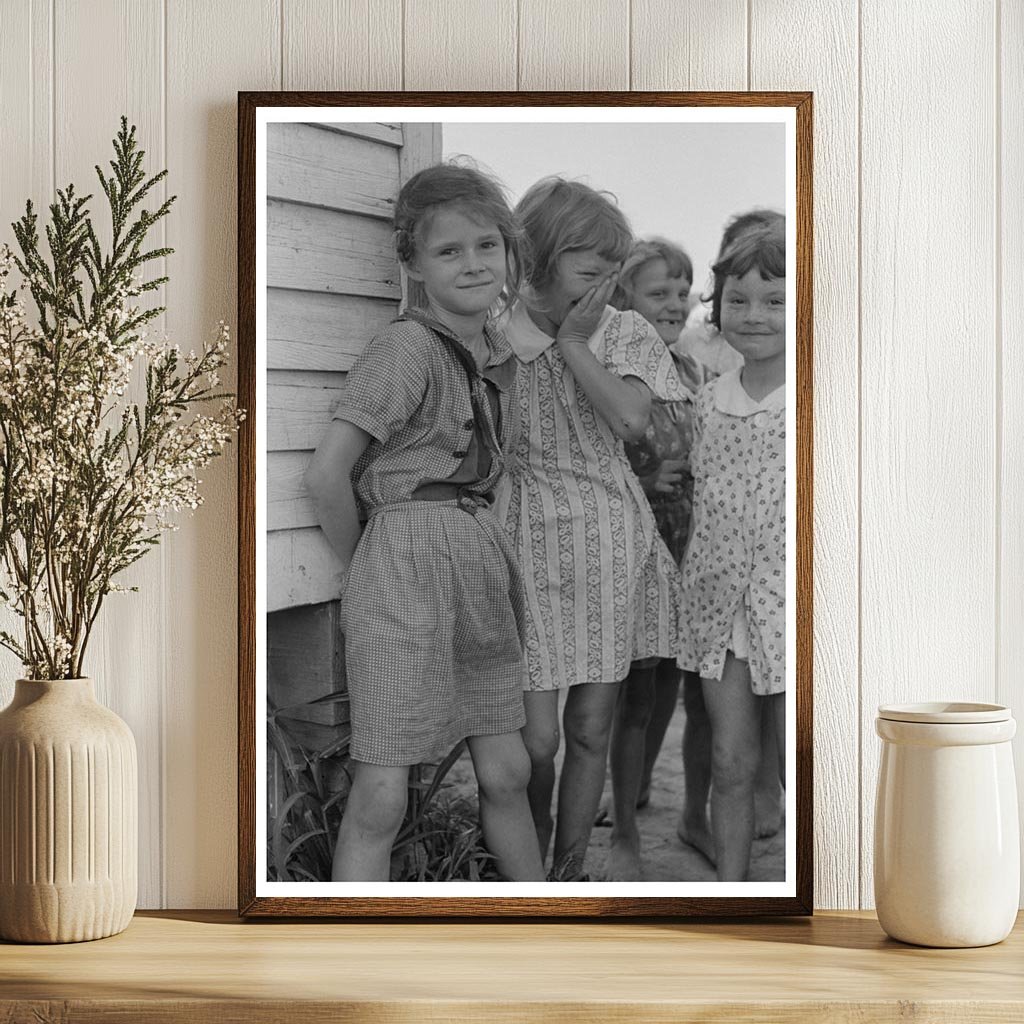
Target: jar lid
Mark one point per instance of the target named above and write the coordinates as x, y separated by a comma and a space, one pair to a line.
945, 712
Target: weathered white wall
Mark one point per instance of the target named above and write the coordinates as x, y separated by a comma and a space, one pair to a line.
919, 306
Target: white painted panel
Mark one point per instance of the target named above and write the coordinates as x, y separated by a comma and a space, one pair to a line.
928, 514
127, 665
213, 50
26, 94
697, 45
326, 251
831, 72
342, 44
574, 44
466, 45
1011, 320
320, 331
322, 168
26, 68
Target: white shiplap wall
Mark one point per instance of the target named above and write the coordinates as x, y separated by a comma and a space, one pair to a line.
919, 307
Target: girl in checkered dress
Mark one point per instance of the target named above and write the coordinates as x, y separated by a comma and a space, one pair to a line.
432, 603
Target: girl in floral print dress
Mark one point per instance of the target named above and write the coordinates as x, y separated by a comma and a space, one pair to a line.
655, 282
734, 575
601, 587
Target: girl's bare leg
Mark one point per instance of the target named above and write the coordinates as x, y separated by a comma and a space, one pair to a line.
502, 773
541, 738
767, 795
629, 731
666, 697
778, 708
372, 818
693, 826
735, 714
587, 720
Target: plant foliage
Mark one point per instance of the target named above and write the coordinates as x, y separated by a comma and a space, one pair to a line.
88, 477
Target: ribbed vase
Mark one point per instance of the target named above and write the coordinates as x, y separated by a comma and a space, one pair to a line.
68, 815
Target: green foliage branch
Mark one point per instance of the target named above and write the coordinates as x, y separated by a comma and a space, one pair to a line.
89, 478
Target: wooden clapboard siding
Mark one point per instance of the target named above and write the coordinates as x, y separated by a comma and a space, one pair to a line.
320, 331
334, 283
299, 406
389, 134
319, 168
288, 507
305, 567
330, 251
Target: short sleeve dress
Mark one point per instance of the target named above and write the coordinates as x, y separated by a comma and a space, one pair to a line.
433, 608
602, 589
734, 573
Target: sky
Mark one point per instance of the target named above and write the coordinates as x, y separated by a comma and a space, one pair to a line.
681, 181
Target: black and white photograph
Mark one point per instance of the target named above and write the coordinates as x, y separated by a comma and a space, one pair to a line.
525, 505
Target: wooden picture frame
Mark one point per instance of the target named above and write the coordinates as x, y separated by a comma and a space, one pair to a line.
307, 306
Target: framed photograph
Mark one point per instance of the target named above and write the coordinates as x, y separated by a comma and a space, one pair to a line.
525, 493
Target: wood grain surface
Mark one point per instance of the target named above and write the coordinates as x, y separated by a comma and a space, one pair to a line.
199, 967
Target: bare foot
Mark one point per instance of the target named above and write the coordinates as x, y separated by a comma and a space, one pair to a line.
767, 811
623, 859
693, 830
644, 796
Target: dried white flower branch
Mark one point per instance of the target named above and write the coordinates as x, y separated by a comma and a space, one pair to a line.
88, 478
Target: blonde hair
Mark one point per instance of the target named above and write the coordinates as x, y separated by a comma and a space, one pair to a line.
646, 251
559, 216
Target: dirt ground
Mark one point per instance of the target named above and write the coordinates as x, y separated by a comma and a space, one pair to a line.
665, 858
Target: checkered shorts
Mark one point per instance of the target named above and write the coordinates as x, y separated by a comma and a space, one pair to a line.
432, 617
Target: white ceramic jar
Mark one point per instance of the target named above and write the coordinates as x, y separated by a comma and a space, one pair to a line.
947, 846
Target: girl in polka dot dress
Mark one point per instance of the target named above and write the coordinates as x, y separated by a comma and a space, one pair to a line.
734, 576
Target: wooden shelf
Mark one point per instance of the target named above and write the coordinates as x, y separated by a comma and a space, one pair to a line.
203, 967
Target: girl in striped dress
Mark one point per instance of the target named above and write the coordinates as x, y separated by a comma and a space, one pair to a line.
601, 587
432, 606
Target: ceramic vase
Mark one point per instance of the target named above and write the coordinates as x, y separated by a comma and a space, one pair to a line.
68, 815
947, 846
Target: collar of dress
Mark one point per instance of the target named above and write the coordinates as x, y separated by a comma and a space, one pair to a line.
731, 399
500, 370
528, 341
